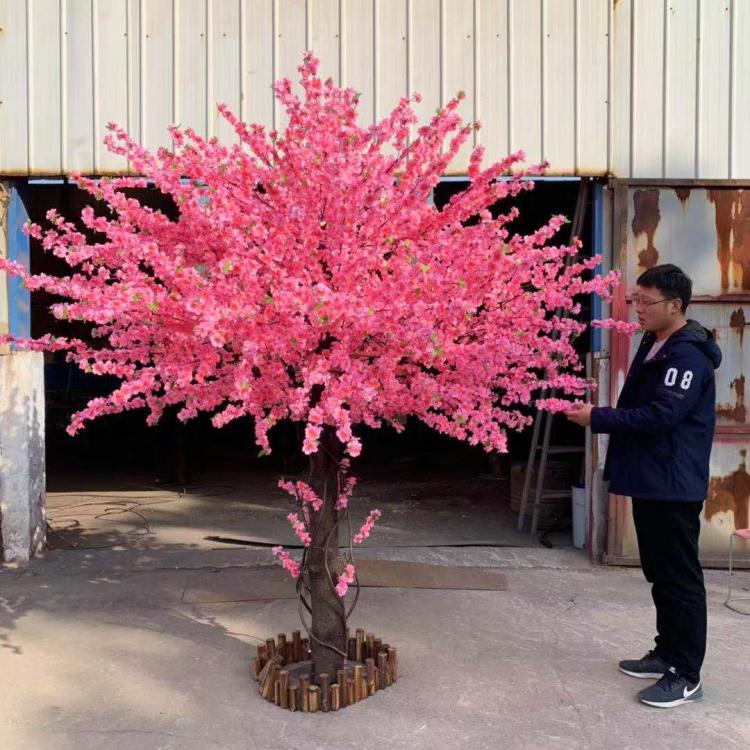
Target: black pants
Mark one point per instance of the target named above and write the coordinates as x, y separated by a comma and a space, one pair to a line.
668, 541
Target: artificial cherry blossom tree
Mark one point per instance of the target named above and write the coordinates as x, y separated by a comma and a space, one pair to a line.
308, 277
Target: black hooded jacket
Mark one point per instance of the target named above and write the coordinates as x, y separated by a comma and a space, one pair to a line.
662, 429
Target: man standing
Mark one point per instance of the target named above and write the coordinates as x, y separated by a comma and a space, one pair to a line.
660, 442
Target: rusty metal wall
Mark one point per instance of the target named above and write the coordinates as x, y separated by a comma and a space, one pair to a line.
706, 231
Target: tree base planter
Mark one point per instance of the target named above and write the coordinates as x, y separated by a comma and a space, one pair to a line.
283, 671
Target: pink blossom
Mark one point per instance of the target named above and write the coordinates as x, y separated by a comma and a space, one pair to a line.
312, 433
364, 532
291, 565
244, 306
343, 499
345, 579
621, 326
557, 404
300, 529
303, 492
354, 447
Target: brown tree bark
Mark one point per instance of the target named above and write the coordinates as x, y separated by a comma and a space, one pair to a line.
328, 622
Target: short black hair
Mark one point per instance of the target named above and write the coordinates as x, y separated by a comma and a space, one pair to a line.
671, 281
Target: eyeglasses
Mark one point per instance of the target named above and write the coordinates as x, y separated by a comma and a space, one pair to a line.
638, 301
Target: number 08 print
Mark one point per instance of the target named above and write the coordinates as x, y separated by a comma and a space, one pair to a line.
671, 378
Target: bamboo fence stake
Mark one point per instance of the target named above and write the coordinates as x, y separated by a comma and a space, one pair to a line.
284, 688
325, 692
370, 646
275, 682
304, 685
314, 699
270, 648
360, 643
255, 668
358, 683
296, 646
383, 668
393, 663
265, 687
341, 680
335, 697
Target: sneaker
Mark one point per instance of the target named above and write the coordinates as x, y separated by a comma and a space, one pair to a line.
671, 690
650, 666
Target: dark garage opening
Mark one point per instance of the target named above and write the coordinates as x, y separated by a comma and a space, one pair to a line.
416, 469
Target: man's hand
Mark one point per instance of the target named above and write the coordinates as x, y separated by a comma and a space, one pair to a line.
580, 415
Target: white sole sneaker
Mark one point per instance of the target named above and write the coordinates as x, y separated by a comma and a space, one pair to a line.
643, 675
673, 704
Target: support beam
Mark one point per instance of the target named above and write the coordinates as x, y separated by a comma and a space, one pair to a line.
22, 460
597, 494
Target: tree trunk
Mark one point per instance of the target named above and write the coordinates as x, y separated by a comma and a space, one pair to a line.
328, 622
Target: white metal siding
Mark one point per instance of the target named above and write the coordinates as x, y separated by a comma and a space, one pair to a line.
641, 88
681, 89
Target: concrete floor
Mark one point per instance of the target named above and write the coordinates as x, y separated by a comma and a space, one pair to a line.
99, 649
127, 512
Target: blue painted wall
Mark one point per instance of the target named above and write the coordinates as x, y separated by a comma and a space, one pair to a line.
19, 299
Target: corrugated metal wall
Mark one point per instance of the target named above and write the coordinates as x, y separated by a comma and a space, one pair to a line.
681, 85
535, 72
655, 88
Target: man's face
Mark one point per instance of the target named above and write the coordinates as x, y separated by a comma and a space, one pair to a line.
655, 312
